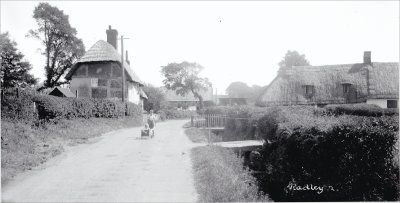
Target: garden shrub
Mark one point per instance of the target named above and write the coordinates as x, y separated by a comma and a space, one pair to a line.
19, 106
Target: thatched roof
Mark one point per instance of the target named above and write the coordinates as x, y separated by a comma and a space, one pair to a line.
170, 95
103, 51
376, 80
143, 94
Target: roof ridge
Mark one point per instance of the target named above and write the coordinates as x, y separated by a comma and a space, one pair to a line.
345, 64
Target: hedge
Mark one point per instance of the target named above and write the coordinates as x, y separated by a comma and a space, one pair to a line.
360, 110
352, 155
352, 162
52, 107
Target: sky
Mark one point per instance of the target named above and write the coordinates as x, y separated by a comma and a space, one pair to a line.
233, 41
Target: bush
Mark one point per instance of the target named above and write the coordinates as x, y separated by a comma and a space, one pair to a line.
17, 104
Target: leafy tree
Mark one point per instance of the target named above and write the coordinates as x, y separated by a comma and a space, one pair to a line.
184, 78
256, 92
62, 47
156, 98
14, 71
293, 58
238, 89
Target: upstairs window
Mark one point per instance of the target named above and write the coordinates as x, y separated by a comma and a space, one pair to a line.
392, 103
346, 87
308, 89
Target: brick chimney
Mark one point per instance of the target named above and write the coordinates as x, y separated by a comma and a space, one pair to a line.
127, 58
367, 57
112, 35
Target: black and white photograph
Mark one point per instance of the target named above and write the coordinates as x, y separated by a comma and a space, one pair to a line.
199, 101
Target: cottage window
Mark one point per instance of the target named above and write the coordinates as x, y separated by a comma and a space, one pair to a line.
346, 87
94, 82
308, 89
392, 103
81, 71
99, 93
102, 82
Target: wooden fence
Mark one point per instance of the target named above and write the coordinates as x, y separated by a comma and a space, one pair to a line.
209, 121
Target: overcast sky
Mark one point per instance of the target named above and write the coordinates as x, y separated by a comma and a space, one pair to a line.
234, 41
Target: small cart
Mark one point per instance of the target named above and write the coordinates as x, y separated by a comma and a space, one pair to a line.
149, 133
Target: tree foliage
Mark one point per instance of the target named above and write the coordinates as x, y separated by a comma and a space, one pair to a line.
238, 89
293, 58
155, 98
184, 78
14, 70
256, 92
241, 89
62, 47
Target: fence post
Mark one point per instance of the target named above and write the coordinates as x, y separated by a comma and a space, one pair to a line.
209, 136
191, 121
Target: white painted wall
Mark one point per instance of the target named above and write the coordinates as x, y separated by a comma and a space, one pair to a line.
133, 93
380, 102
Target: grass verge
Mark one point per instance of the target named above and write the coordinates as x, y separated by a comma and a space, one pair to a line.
220, 177
24, 146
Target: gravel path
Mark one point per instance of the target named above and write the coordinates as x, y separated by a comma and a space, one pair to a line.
120, 167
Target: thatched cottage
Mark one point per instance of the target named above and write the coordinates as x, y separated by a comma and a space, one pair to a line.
367, 82
98, 74
188, 102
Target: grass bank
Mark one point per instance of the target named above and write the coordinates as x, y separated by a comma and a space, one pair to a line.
219, 173
25, 146
220, 177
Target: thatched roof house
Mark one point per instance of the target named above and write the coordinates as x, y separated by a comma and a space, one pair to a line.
103, 51
188, 101
98, 74
371, 82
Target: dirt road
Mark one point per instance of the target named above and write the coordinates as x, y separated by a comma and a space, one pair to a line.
120, 167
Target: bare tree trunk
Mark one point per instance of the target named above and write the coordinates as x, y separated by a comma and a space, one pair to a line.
198, 96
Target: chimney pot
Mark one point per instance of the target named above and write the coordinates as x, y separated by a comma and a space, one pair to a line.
112, 35
367, 57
